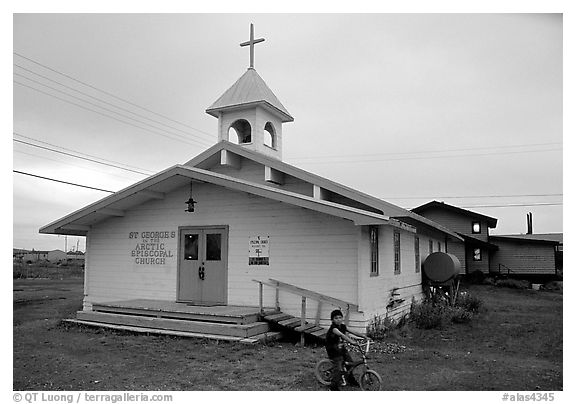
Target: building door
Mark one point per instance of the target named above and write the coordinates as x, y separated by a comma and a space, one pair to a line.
202, 265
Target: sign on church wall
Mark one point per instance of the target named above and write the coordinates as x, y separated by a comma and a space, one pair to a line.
259, 250
151, 247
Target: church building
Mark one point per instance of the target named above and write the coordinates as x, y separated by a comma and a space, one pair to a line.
221, 228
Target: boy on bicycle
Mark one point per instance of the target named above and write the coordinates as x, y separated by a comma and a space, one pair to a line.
336, 349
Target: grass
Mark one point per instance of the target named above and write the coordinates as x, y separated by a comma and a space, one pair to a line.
514, 343
44, 269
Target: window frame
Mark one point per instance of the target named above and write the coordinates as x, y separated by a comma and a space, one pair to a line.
417, 253
373, 239
479, 254
477, 222
397, 254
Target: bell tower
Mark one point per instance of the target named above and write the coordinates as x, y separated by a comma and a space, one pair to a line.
249, 113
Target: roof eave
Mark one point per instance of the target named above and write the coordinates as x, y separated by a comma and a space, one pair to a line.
284, 116
67, 225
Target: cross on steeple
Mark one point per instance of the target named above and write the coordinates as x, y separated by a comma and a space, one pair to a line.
252, 42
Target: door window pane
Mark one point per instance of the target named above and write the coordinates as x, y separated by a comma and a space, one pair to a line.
191, 247
213, 247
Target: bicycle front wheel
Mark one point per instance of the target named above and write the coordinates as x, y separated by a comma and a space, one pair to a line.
370, 381
323, 371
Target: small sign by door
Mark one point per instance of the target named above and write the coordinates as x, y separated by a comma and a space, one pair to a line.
259, 250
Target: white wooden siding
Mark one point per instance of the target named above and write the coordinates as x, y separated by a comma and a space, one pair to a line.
375, 292
309, 249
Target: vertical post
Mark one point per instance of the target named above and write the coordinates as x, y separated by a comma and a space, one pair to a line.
260, 287
303, 320
318, 311
277, 298
347, 315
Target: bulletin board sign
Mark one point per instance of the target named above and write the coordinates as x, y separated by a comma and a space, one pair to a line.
259, 250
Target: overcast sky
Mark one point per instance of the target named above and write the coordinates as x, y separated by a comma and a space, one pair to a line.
464, 108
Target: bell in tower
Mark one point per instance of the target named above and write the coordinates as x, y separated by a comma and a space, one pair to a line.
249, 113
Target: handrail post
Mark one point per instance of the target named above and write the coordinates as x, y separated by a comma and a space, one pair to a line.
303, 320
261, 299
277, 298
318, 311
347, 316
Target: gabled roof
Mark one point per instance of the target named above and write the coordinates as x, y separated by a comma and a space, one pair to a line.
250, 89
388, 209
441, 205
79, 222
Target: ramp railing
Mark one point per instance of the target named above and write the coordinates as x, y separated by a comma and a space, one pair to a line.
304, 294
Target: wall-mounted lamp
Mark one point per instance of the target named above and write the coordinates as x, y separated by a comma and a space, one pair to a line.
190, 202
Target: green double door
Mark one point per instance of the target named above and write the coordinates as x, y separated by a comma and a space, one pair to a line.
202, 265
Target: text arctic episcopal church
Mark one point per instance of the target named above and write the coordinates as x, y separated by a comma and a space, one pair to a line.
250, 216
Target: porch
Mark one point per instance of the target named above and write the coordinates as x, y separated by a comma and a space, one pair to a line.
233, 323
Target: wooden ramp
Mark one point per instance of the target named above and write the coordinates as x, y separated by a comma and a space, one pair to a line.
286, 321
298, 324
231, 323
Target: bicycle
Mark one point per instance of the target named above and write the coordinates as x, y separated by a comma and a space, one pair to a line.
369, 379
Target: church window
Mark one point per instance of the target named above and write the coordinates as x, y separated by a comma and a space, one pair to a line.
269, 135
373, 230
417, 253
397, 253
240, 130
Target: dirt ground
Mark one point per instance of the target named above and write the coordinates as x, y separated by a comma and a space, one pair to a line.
514, 344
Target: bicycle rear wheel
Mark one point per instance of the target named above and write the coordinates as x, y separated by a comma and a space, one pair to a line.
323, 371
370, 381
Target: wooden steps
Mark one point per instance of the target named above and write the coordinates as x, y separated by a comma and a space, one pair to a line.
287, 321
263, 337
146, 307
233, 330
231, 323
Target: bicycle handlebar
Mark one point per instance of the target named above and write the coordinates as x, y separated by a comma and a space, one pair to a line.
366, 343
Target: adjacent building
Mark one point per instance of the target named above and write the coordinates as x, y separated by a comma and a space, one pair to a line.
53, 256
521, 254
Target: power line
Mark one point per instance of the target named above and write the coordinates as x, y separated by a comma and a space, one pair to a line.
103, 114
63, 182
78, 157
73, 165
467, 207
470, 196
75, 151
514, 205
431, 157
107, 93
105, 109
426, 151
99, 99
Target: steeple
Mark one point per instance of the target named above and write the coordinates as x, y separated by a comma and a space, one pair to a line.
250, 113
